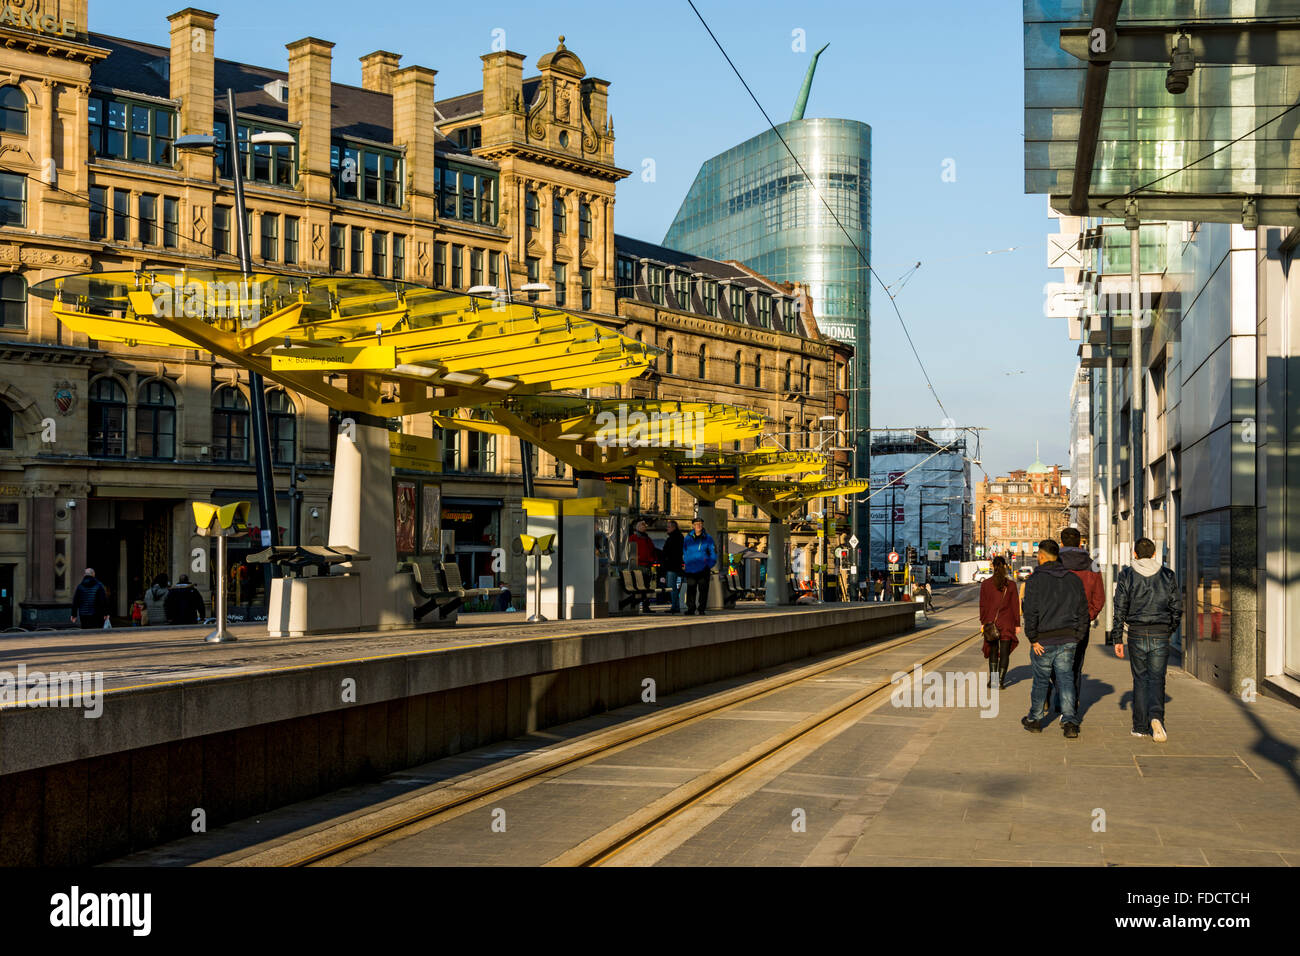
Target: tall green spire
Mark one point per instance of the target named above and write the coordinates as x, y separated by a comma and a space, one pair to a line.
802, 101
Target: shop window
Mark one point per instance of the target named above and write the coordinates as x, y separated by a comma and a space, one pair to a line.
155, 422
107, 419
229, 425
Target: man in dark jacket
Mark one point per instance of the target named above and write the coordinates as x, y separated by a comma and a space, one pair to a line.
1075, 559
1147, 599
699, 558
90, 601
184, 603
670, 559
1055, 616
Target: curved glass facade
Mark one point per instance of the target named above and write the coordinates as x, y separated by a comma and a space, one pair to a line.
753, 205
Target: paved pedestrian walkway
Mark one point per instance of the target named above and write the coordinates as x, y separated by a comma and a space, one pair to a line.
1223, 791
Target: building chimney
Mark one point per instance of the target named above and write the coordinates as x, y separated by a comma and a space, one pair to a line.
309, 106
504, 110
377, 70
413, 127
192, 78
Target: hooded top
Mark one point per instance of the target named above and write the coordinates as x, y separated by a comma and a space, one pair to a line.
1147, 597
1147, 567
1078, 561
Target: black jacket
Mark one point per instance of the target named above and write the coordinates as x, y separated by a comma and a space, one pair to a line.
1055, 608
670, 556
183, 605
1150, 604
90, 600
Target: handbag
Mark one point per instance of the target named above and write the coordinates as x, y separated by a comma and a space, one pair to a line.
991, 633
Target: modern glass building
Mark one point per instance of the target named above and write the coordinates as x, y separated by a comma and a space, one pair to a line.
752, 204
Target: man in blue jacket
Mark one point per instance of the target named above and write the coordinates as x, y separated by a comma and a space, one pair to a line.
699, 558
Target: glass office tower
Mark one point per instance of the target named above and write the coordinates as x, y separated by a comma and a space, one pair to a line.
752, 204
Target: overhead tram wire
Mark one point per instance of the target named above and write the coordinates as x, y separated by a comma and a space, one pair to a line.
829, 208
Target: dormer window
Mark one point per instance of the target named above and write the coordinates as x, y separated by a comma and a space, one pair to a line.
765, 311
121, 129
367, 173
682, 289
655, 281
278, 90
273, 164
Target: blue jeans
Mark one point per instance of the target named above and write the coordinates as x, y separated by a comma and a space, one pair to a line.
1056, 661
1148, 658
673, 578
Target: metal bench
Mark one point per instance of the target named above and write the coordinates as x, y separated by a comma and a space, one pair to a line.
451, 574
430, 589
294, 559
730, 592
634, 588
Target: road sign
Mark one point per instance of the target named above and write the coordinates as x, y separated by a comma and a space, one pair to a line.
893, 557
853, 541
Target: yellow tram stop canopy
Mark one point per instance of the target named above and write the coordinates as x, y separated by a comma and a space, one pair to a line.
303, 331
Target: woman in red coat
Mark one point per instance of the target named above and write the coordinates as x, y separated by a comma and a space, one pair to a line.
1000, 606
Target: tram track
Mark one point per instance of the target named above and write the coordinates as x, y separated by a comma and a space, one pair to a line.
360, 835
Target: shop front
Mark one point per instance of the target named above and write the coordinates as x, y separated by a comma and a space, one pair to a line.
471, 531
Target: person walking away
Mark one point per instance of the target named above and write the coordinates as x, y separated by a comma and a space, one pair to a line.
699, 558
643, 554
1000, 617
670, 559
184, 603
155, 600
1147, 600
90, 601
880, 590
1055, 610
1075, 559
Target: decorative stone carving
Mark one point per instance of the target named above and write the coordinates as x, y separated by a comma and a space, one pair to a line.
199, 224
317, 241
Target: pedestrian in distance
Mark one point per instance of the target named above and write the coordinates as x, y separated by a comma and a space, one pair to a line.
1148, 602
642, 552
699, 557
155, 599
670, 559
90, 602
880, 589
1055, 611
184, 603
1075, 559
1000, 617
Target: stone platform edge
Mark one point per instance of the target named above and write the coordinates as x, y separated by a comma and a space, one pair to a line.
136, 717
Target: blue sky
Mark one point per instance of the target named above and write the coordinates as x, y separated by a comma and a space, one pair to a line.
936, 81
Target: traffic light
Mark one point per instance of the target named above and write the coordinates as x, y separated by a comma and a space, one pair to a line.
911, 554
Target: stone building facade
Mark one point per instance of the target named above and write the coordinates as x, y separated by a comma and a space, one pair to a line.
103, 446
1020, 509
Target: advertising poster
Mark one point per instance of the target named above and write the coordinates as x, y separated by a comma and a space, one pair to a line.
405, 517
430, 527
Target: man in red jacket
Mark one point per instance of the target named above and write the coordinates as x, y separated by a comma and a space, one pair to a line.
1075, 559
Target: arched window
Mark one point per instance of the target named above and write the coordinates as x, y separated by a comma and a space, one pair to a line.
13, 302
807, 378
282, 420
229, 425
668, 358
584, 220
107, 419
787, 375
737, 368
13, 110
6, 427
155, 422
532, 213
704, 363
758, 370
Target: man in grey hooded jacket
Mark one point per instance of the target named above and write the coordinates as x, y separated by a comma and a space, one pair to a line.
1147, 599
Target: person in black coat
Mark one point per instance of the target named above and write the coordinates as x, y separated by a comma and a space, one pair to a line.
184, 603
670, 559
90, 601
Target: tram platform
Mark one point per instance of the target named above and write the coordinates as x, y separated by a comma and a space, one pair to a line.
239, 727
